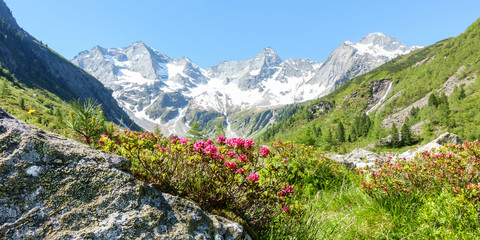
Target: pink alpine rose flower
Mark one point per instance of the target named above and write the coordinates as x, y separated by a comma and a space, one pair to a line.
242, 158
210, 150
253, 177
264, 151
248, 143
221, 139
230, 165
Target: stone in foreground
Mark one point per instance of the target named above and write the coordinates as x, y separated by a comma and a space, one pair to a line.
55, 188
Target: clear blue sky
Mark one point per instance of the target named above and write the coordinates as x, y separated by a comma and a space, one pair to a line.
209, 32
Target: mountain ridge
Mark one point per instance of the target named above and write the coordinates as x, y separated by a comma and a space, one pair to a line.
263, 81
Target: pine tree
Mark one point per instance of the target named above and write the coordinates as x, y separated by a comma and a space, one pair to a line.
406, 135
5, 89
432, 100
462, 93
394, 133
86, 119
340, 133
307, 137
22, 104
353, 134
157, 130
195, 130
219, 130
443, 99
327, 137
58, 115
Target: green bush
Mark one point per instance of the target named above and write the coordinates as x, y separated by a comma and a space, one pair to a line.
447, 179
86, 119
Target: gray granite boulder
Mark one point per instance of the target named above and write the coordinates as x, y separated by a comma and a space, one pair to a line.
358, 158
52, 187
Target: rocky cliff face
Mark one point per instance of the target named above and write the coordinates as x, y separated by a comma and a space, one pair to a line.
55, 188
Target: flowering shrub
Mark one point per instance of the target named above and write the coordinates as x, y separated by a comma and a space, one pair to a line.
305, 167
454, 169
233, 174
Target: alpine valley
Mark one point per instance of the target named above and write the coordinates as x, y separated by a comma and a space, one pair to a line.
244, 96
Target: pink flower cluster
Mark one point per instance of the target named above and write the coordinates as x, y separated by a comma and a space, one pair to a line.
264, 151
211, 150
242, 158
253, 177
231, 165
221, 139
286, 191
234, 142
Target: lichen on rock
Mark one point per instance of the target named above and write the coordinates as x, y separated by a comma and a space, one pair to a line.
55, 188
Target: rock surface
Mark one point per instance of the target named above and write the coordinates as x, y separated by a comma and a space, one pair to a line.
55, 188
446, 138
360, 157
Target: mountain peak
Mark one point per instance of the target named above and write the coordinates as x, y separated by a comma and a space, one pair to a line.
378, 39
268, 51
269, 56
139, 44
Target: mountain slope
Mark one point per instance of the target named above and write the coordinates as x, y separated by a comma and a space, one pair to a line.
171, 93
37, 66
400, 90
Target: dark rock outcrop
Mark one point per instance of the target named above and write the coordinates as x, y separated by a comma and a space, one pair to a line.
55, 188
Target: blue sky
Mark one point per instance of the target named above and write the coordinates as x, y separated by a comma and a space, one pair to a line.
209, 32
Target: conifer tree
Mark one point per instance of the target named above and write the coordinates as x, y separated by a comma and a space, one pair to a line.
157, 130
432, 100
307, 137
327, 137
462, 93
5, 89
394, 133
340, 134
219, 130
195, 130
406, 134
58, 115
353, 134
86, 119
443, 99
22, 104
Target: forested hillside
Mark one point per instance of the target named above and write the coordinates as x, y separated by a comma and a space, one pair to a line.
434, 89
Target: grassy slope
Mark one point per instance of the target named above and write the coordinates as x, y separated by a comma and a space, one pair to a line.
413, 83
43, 102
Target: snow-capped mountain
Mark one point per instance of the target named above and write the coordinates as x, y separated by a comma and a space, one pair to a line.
158, 90
353, 59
